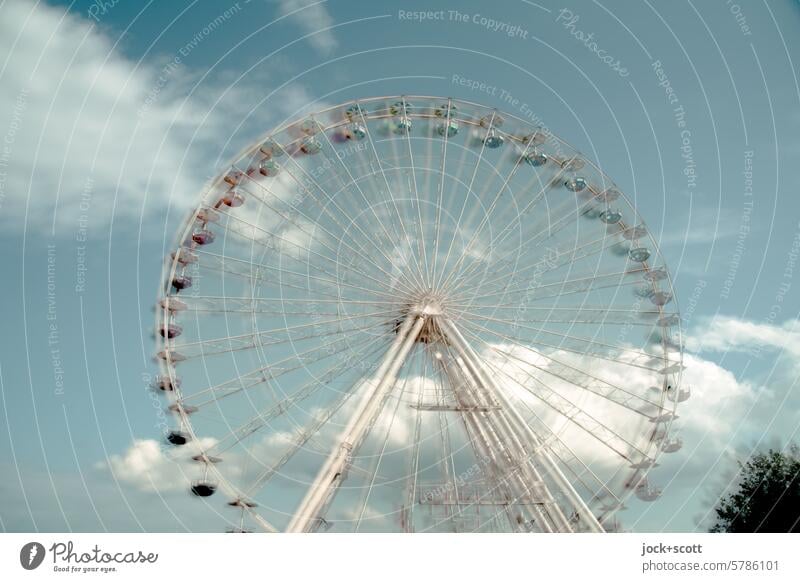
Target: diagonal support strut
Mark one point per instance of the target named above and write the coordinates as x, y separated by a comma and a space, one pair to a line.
330, 475
519, 429
514, 428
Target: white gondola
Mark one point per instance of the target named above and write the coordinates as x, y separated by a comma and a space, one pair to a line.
672, 444
664, 418
647, 492
679, 394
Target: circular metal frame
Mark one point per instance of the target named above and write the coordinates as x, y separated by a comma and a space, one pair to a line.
428, 313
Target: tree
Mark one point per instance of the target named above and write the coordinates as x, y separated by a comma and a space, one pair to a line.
768, 495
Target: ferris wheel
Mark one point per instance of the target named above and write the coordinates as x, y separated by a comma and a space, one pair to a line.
418, 314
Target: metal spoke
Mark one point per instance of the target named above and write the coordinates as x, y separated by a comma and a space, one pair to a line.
449, 315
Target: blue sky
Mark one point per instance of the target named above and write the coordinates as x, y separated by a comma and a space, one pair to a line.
113, 119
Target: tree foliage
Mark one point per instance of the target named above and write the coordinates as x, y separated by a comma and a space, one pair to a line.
767, 498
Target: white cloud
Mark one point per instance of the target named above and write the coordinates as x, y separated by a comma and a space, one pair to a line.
730, 334
707, 422
146, 466
711, 422
311, 16
724, 413
718, 398
719, 402
703, 226
93, 136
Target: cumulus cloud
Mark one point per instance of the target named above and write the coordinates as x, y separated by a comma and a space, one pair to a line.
718, 397
146, 466
725, 413
312, 17
708, 422
731, 334
718, 409
91, 136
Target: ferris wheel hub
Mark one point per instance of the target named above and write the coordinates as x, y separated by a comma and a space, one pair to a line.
427, 308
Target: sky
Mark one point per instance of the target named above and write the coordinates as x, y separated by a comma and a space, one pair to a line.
113, 115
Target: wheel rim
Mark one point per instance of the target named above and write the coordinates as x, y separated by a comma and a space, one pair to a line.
295, 274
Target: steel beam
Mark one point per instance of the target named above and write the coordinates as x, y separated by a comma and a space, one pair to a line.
330, 475
519, 427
